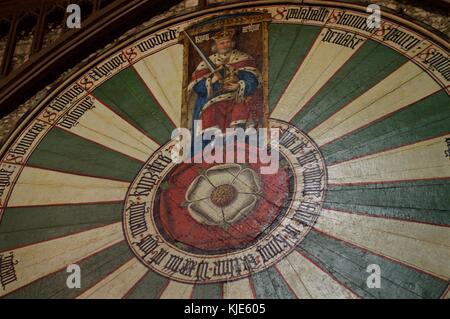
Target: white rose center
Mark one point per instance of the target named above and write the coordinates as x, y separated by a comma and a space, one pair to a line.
223, 195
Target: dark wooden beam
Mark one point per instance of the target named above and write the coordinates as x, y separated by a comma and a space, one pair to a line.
8, 7
101, 28
96, 6
202, 4
39, 30
10, 46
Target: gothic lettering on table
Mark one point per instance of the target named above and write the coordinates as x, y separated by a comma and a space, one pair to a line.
7, 269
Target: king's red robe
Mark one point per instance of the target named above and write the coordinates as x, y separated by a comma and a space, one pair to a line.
219, 109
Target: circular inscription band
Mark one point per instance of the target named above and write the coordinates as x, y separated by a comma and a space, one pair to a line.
221, 222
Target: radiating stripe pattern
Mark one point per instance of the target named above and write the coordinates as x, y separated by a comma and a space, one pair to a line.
348, 264
42, 259
382, 125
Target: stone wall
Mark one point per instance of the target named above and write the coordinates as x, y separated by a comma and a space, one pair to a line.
437, 18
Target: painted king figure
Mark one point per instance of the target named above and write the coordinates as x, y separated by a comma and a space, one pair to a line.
231, 96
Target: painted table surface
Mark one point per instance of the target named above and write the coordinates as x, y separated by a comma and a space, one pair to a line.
372, 103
